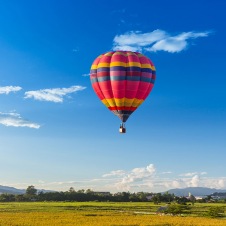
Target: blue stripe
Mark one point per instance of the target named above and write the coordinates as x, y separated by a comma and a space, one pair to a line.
103, 69
93, 71
123, 112
145, 79
121, 68
93, 80
118, 78
147, 70
122, 78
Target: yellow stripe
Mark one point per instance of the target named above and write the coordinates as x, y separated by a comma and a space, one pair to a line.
134, 64
114, 64
122, 102
129, 64
103, 65
137, 103
94, 66
110, 102
122, 64
146, 66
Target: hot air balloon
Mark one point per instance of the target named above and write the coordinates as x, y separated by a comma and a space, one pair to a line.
122, 80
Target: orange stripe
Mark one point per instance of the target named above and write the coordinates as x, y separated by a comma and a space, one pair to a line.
123, 108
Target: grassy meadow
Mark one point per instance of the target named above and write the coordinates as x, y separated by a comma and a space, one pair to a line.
101, 214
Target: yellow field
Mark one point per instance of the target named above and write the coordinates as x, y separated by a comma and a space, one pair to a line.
76, 214
104, 219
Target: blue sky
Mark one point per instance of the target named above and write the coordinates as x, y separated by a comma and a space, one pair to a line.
56, 134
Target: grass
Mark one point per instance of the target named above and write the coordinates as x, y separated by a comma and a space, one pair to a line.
99, 214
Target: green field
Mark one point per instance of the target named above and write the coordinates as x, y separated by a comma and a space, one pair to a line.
101, 213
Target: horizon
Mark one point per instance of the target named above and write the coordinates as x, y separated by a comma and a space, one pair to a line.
178, 189
56, 133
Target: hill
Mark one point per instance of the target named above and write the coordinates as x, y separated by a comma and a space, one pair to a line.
11, 190
16, 191
196, 191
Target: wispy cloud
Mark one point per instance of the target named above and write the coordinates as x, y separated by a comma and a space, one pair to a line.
85, 75
15, 120
157, 40
9, 89
167, 172
115, 173
53, 95
75, 50
190, 174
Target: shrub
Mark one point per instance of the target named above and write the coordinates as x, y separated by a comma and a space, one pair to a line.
215, 211
176, 209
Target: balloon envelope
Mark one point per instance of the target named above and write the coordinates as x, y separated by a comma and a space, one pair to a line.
122, 80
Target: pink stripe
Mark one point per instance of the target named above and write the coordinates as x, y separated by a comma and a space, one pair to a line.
97, 90
133, 58
147, 75
105, 59
117, 73
102, 73
119, 94
118, 85
130, 94
119, 58
106, 89
143, 92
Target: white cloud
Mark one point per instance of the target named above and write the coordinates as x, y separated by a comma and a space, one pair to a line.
136, 177
115, 173
136, 38
190, 174
176, 43
85, 75
167, 172
15, 120
147, 178
170, 184
203, 173
194, 181
54, 95
41, 181
128, 48
8, 89
221, 183
63, 182
157, 40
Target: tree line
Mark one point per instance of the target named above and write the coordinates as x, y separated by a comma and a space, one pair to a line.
32, 194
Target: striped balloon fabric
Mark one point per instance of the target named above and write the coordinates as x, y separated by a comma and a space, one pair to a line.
122, 80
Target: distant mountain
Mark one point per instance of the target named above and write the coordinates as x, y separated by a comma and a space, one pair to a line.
16, 191
11, 190
196, 191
